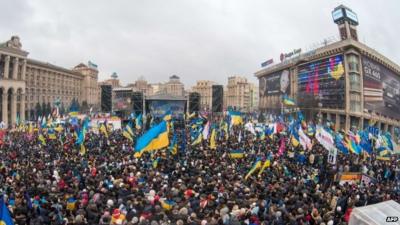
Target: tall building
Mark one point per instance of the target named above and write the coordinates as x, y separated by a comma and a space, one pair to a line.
142, 86
114, 81
204, 88
173, 87
27, 83
345, 82
90, 89
239, 93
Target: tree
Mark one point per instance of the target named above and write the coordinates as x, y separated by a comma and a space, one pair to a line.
38, 109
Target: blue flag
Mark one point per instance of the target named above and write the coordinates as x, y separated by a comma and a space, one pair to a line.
5, 217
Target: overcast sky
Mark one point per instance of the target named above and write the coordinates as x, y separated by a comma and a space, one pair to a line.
194, 39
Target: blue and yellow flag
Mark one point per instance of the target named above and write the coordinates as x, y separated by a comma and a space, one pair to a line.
71, 204
236, 154
51, 134
154, 139
254, 168
167, 204
139, 121
236, 117
5, 218
128, 132
288, 101
173, 148
167, 116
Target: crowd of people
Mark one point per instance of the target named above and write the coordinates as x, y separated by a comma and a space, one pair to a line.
55, 183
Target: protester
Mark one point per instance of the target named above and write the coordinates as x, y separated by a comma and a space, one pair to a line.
58, 183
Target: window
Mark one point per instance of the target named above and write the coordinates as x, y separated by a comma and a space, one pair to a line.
354, 82
355, 102
353, 63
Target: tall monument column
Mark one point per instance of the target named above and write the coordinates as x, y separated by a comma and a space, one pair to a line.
6, 66
13, 108
4, 104
15, 69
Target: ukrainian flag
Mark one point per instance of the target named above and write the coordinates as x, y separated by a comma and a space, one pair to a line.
213, 145
236, 154
154, 139
288, 101
71, 202
236, 118
167, 204
173, 148
51, 134
198, 139
352, 146
138, 121
128, 132
254, 168
167, 116
82, 150
5, 218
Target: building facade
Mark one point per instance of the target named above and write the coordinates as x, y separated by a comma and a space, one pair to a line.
204, 88
346, 82
239, 93
174, 87
26, 83
90, 88
142, 86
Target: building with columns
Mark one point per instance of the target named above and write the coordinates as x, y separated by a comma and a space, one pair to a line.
239, 94
174, 87
345, 82
26, 83
204, 88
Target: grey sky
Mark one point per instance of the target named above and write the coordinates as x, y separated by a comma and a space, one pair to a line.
210, 39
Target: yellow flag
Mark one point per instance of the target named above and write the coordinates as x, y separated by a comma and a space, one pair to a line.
212, 140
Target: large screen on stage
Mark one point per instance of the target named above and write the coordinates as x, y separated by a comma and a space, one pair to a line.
274, 84
159, 107
381, 89
322, 83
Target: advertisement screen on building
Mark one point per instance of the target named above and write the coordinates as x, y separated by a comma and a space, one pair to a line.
381, 89
277, 83
321, 83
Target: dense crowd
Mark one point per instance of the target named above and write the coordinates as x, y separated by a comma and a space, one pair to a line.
56, 184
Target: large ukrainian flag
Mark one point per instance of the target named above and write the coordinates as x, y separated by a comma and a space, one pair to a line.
236, 118
154, 139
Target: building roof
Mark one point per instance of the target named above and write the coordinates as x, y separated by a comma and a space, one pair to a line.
331, 49
51, 66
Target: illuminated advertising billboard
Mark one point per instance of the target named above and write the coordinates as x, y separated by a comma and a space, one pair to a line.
277, 83
159, 107
322, 83
381, 89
